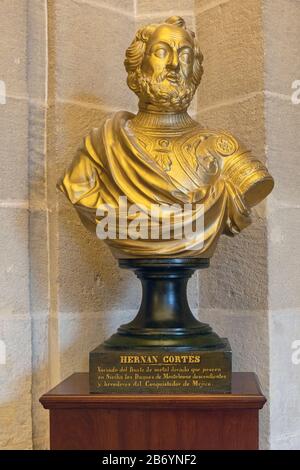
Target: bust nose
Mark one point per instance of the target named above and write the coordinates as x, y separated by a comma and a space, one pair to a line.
174, 61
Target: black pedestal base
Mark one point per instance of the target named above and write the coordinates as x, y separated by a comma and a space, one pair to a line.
165, 349
164, 318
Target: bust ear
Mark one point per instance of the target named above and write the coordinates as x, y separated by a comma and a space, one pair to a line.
133, 81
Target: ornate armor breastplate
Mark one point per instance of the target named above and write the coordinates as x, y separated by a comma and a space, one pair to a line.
193, 160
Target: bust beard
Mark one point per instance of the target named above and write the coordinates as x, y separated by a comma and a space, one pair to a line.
167, 96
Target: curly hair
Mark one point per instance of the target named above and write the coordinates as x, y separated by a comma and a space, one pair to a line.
136, 50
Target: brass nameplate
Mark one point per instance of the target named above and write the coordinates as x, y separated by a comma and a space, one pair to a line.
171, 372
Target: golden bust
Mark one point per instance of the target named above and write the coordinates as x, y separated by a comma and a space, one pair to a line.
161, 156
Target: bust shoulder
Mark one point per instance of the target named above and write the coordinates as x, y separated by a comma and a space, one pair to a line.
220, 143
241, 170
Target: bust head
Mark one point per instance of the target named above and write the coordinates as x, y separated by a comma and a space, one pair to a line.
164, 66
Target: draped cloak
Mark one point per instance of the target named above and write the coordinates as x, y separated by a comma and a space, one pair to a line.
111, 164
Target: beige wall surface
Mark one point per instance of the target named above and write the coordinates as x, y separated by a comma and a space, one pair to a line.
234, 291
282, 123
61, 290
15, 320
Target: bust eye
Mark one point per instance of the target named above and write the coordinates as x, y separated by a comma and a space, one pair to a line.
160, 53
186, 57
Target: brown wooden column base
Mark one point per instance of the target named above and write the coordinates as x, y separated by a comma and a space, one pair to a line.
80, 420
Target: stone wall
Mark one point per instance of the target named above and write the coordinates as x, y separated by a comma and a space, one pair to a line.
86, 291
15, 321
62, 292
282, 115
234, 291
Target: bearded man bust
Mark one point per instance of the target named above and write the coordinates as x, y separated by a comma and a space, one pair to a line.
162, 156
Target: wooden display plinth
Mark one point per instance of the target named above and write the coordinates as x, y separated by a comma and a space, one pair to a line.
80, 420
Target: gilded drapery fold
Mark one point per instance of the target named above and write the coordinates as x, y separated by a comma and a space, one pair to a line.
110, 164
